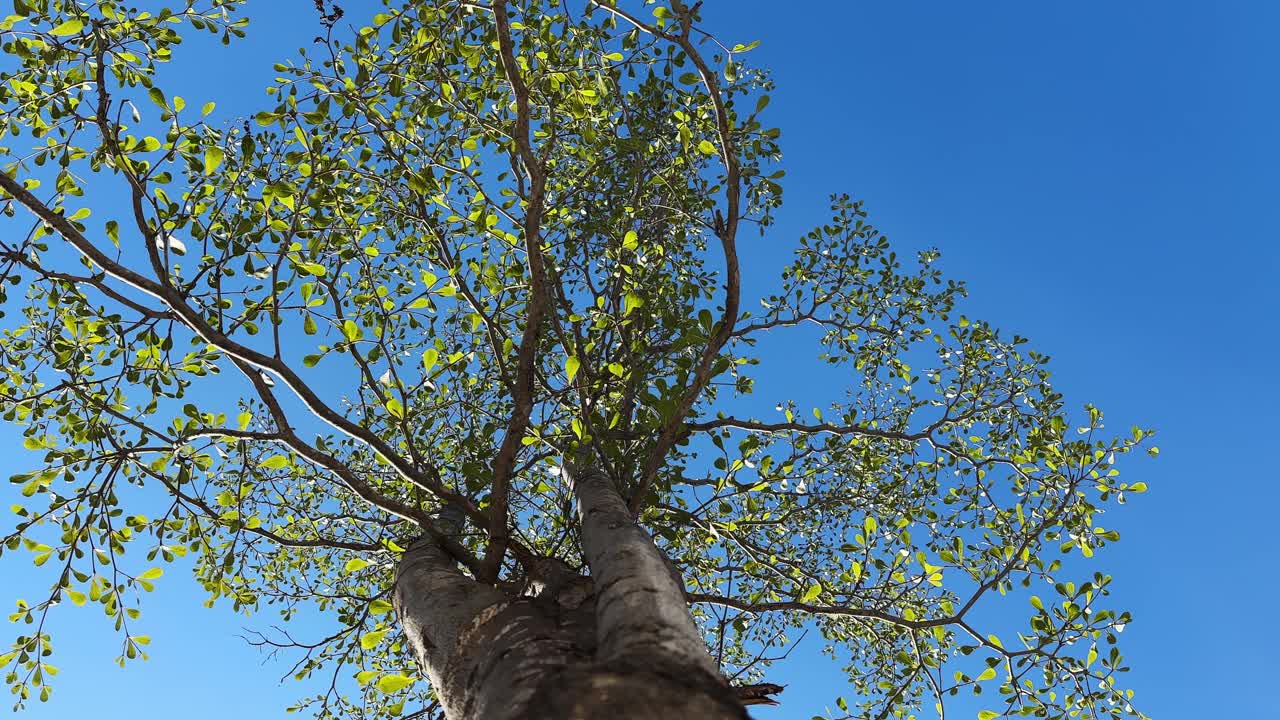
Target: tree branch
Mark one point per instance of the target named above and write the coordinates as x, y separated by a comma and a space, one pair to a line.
522, 392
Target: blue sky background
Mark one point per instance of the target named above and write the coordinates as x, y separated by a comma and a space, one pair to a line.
1103, 174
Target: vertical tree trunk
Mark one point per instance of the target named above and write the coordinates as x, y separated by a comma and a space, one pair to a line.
626, 648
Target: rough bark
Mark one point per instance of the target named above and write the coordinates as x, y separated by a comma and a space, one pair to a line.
485, 652
618, 645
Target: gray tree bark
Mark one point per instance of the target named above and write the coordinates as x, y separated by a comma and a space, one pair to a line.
616, 646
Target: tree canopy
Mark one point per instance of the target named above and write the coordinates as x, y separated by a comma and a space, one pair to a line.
466, 243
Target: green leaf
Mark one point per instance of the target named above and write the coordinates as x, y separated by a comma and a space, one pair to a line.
630, 241
707, 148
77, 597
157, 97
988, 715
70, 27
430, 357
571, 365
395, 408
152, 574
811, 593
275, 462
987, 674
370, 640
351, 330
213, 158
356, 564
379, 607
394, 683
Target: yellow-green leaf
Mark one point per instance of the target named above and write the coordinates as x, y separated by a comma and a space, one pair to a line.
70, 27
631, 302
370, 640
213, 158
275, 462
395, 408
393, 683
356, 564
813, 592
430, 357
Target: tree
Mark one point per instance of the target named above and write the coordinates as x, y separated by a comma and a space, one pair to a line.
449, 345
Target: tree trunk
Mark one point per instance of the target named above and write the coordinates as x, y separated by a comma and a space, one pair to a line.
616, 646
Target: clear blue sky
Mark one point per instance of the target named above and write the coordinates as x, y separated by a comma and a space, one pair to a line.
1105, 177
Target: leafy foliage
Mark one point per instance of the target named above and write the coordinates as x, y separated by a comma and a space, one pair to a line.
455, 245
